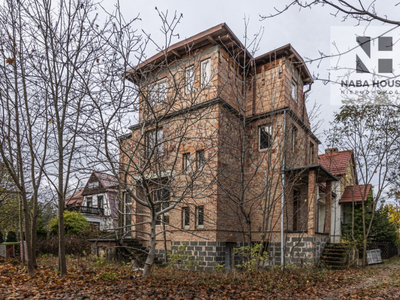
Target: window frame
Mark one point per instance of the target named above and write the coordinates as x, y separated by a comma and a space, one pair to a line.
158, 134
185, 217
89, 199
128, 209
205, 73
294, 90
186, 162
269, 131
200, 159
102, 201
189, 85
199, 209
163, 196
158, 92
311, 153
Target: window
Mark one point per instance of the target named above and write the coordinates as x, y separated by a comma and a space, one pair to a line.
296, 208
200, 216
201, 160
205, 71
158, 92
128, 216
160, 199
186, 216
93, 184
294, 137
311, 153
100, 202
294, 90
154, 142
265, 139
189, 76
186, 162
89, 202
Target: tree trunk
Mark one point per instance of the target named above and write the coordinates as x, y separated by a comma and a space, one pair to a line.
28, 236
21, 230
150, 257
364, 256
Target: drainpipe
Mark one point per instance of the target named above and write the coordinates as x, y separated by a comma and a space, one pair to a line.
283, 188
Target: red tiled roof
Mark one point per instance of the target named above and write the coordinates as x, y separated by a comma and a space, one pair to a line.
76, 199
336, 162
355, 193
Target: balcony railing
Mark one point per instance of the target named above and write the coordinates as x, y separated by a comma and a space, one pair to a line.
87, 210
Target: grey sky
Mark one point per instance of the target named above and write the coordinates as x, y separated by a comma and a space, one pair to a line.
307, 30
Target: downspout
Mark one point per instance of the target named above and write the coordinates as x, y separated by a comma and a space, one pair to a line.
283, 189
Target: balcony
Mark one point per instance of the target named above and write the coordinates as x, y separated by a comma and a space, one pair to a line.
87, 210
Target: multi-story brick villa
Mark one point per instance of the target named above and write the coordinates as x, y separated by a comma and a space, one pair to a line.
225, 138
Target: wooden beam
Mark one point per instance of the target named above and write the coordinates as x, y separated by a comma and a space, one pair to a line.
212, 41
176, 53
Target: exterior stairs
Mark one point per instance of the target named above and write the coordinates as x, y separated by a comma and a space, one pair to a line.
335, 256
132, 249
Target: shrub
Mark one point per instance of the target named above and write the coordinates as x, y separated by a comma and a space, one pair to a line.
74, 244
11, 236
74, 223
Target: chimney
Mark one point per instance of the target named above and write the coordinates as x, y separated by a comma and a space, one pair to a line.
331, 150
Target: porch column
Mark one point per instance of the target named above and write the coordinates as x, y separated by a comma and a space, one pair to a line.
328, 207
311, 202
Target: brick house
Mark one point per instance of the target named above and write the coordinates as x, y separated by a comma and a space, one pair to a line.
346, 190
227, 137
97, 201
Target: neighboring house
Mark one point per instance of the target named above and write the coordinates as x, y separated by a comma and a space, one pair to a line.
346, 190
278, 135
97, 201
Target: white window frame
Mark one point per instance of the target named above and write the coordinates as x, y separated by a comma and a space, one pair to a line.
151, 141
205, 72
189, 79
186, 162
268, 129
294, 90
158, 92
200, 159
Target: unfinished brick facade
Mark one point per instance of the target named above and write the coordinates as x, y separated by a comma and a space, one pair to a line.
232, 145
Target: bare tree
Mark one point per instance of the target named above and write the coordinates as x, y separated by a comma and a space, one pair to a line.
372, 131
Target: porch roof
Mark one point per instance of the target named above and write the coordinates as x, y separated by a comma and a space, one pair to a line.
322, 174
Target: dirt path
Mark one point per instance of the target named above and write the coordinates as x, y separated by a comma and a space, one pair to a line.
377, 282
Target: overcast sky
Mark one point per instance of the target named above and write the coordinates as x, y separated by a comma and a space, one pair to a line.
307, 30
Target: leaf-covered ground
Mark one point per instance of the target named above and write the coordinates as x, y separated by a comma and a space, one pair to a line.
91, 279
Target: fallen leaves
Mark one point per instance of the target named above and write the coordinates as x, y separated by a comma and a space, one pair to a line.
88, 281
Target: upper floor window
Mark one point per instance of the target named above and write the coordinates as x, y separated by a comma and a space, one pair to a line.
265, 137
154, 142
89, 202
200, 158
205, 72
100, 201
158, 92
93, 184
311, 153
189, 79
185, 217
294, 90
200, 215
294, 138
186, 162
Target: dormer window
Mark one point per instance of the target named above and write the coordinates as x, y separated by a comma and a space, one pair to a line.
294, 90
93, 184
205, 72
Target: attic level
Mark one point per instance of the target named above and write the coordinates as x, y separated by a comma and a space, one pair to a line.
214, 64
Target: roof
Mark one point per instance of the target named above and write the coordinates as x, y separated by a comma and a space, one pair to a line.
76, 199
336, 162
356, 193
107, 180
322, 174
218, 35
